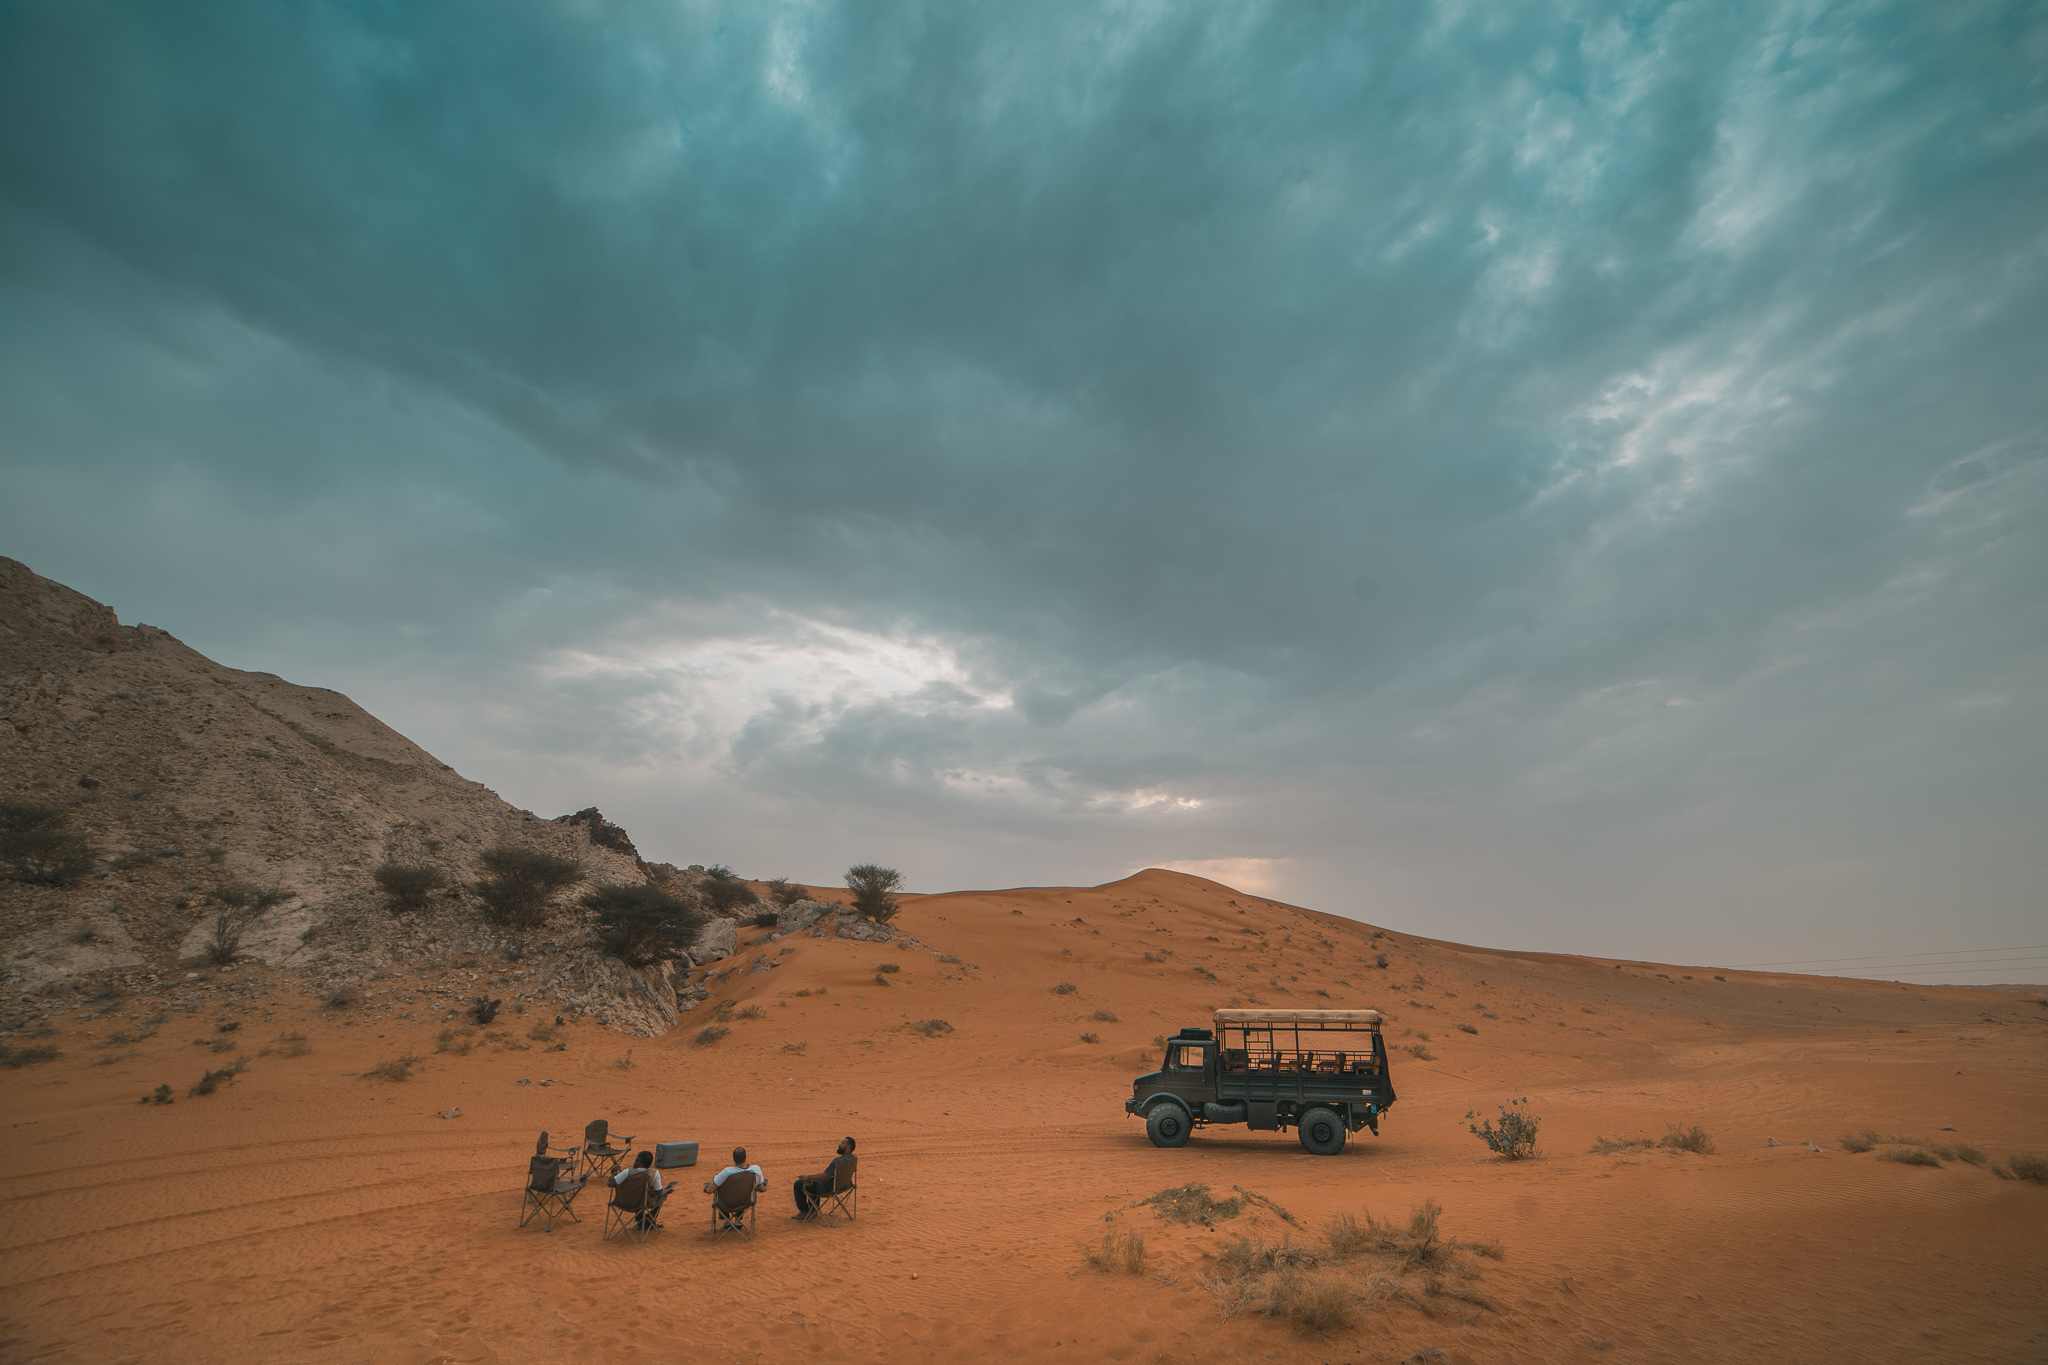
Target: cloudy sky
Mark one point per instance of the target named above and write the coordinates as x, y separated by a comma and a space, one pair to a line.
1561, 476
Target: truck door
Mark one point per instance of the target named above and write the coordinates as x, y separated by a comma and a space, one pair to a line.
1189, 1073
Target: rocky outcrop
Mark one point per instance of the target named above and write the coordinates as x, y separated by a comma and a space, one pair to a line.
715, 941
188, 775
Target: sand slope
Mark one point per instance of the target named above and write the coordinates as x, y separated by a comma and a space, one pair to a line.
307, 1213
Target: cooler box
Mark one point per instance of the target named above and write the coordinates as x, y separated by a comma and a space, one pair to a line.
669, 1155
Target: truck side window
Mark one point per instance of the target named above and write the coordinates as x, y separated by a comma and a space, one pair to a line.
1185, 1059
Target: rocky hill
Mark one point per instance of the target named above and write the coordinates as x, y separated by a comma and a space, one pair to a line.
187, 776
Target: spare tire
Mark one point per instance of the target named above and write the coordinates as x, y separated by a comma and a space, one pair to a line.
1168, 1126
1322, 1132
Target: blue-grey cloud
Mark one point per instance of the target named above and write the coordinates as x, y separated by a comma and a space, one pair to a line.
1566, 473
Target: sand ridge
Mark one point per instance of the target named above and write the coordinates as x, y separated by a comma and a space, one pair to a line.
304, 1211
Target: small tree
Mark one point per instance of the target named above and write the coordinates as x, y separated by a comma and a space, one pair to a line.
522, 884
37, 844
406, 886
724, 892
241, 903
871, 884
641, 925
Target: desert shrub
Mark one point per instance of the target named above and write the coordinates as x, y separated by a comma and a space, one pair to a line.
223, 1045
448, 1040
1515, 1138
932, 1028
1858, 1142
214, 1080
161, 1096
1380, 961
1105, 1016
1467, 1028
872, 886
1192, 1204
784, 892
1421, 1053
406, 886
641, 925
343, 997
625, 1063
520, 884
709, 1034
484, 1009
1619, 1146
14, 1058
38, 844
1065, 988
397, 1069
1125, 1253
544, 1032
722, 1011
752, 1012
1957, 1151
293, 1045
1090, 1038
1908, 1156
888, 967
241, 903
2024, 1166
1693, 1139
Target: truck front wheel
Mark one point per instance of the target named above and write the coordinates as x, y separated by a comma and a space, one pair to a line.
1322, 1132
1167, 1126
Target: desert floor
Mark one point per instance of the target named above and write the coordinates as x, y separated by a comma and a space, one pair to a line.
308, 1212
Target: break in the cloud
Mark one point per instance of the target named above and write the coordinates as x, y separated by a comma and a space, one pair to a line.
1569, 476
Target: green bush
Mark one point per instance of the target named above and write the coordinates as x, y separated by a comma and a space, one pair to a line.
642, 925
724, 892
406, 886
37, 844
522, 883
871, 885
1515, 1138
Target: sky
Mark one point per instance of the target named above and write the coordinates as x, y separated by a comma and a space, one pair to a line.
1555, 476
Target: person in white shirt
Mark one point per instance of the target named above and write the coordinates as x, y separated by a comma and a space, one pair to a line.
739, 1164
645, 1162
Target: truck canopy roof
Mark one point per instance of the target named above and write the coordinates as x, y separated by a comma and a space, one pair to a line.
1298, 1018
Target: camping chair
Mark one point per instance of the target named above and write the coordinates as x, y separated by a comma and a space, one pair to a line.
598, 1151
732, 1205
844, 1196
633, 1208
549, 1193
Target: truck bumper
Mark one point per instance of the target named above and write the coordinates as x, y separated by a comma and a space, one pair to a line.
1131, 1105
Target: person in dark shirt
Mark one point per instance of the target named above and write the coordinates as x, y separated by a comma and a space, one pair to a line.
811, 1188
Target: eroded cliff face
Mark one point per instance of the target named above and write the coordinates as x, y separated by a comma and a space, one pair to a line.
189, 775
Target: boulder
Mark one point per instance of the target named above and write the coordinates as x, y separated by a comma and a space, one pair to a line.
716, 941
801, 916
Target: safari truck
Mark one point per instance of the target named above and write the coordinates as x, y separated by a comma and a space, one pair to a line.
1321, 1072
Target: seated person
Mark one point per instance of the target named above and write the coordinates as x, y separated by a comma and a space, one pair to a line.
739, 1164
655, 1193
811, 1188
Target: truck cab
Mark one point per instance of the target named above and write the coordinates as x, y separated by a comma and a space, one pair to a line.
1322, 1072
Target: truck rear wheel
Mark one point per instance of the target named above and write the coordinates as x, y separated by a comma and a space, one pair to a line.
1322, 1132
1167, 1126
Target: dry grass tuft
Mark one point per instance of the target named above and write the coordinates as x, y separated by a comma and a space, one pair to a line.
1065, 988
1620, 1146
1125, 1253
932, 1028
458, 1042
1908, 1156
709, 1034
890, 967
1859, 1142
2024, 1166
752, 1012
1693, 1139
1192, 1204
1091, 1038
293, 1045
544, 1032
397, 1069
1105, 1016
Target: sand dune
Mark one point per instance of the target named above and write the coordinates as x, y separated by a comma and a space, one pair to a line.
306, 1212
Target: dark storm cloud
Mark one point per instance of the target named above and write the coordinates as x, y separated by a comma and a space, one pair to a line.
1470, 453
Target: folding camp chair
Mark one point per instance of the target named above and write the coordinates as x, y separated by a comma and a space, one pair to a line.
633, 1207
732, 1205
599, 1156
844, 1196
549, 1192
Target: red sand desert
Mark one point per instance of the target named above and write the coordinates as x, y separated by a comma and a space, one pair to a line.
308, 1212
